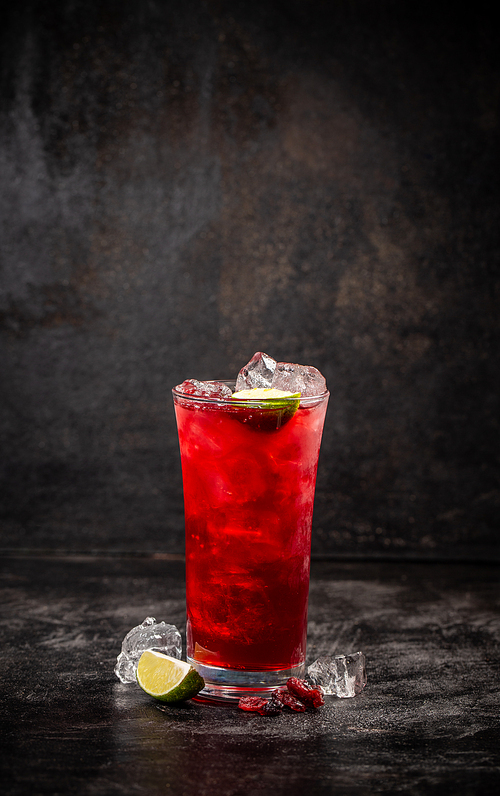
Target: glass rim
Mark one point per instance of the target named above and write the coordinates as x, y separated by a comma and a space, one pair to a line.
304, 400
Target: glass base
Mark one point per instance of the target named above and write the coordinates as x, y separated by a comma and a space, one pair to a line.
229, 685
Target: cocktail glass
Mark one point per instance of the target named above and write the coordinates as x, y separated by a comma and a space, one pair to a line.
249, 476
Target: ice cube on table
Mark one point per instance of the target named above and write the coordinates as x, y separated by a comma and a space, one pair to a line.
204, 389
256, 373
298, 378
341, 675
148, 635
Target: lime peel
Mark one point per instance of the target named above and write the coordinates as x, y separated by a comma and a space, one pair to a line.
167, 679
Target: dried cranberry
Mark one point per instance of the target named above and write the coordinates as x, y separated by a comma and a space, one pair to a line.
266, 707
252, 704
296, 695
272, 707
288, 700
312, 697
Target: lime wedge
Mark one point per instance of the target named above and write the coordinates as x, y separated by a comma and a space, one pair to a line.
267, 409
167, 679
264, 393
278, 397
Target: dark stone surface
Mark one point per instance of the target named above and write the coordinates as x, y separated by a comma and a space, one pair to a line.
427, 722
184, 183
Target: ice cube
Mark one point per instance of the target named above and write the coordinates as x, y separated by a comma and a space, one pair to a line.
148, 635
298, 378
342, 675
204, 389
256, 373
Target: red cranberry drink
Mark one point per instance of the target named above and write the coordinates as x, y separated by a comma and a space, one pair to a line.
249, 455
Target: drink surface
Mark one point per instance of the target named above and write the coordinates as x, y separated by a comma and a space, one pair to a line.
248, 495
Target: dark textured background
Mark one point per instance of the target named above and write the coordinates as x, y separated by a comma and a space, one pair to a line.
184, 183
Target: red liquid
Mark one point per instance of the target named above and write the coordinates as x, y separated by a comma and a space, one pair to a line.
248, 496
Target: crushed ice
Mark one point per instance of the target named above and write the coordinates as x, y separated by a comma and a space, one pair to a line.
204, 389
342, 675
148, 635
263, 371
258, 372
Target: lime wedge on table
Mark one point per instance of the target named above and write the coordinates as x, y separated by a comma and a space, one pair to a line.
167, 679
273, 408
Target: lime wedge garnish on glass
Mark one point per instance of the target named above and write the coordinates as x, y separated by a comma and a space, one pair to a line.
270, 408
167, 679
265, 394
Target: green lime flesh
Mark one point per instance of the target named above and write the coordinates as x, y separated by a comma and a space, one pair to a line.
269, 408
167, 679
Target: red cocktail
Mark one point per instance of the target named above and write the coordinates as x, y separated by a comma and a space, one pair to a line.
249, 475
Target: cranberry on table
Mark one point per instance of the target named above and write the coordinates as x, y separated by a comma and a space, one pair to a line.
296, 695
289, 701
252, 704
312, 697
272, 707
